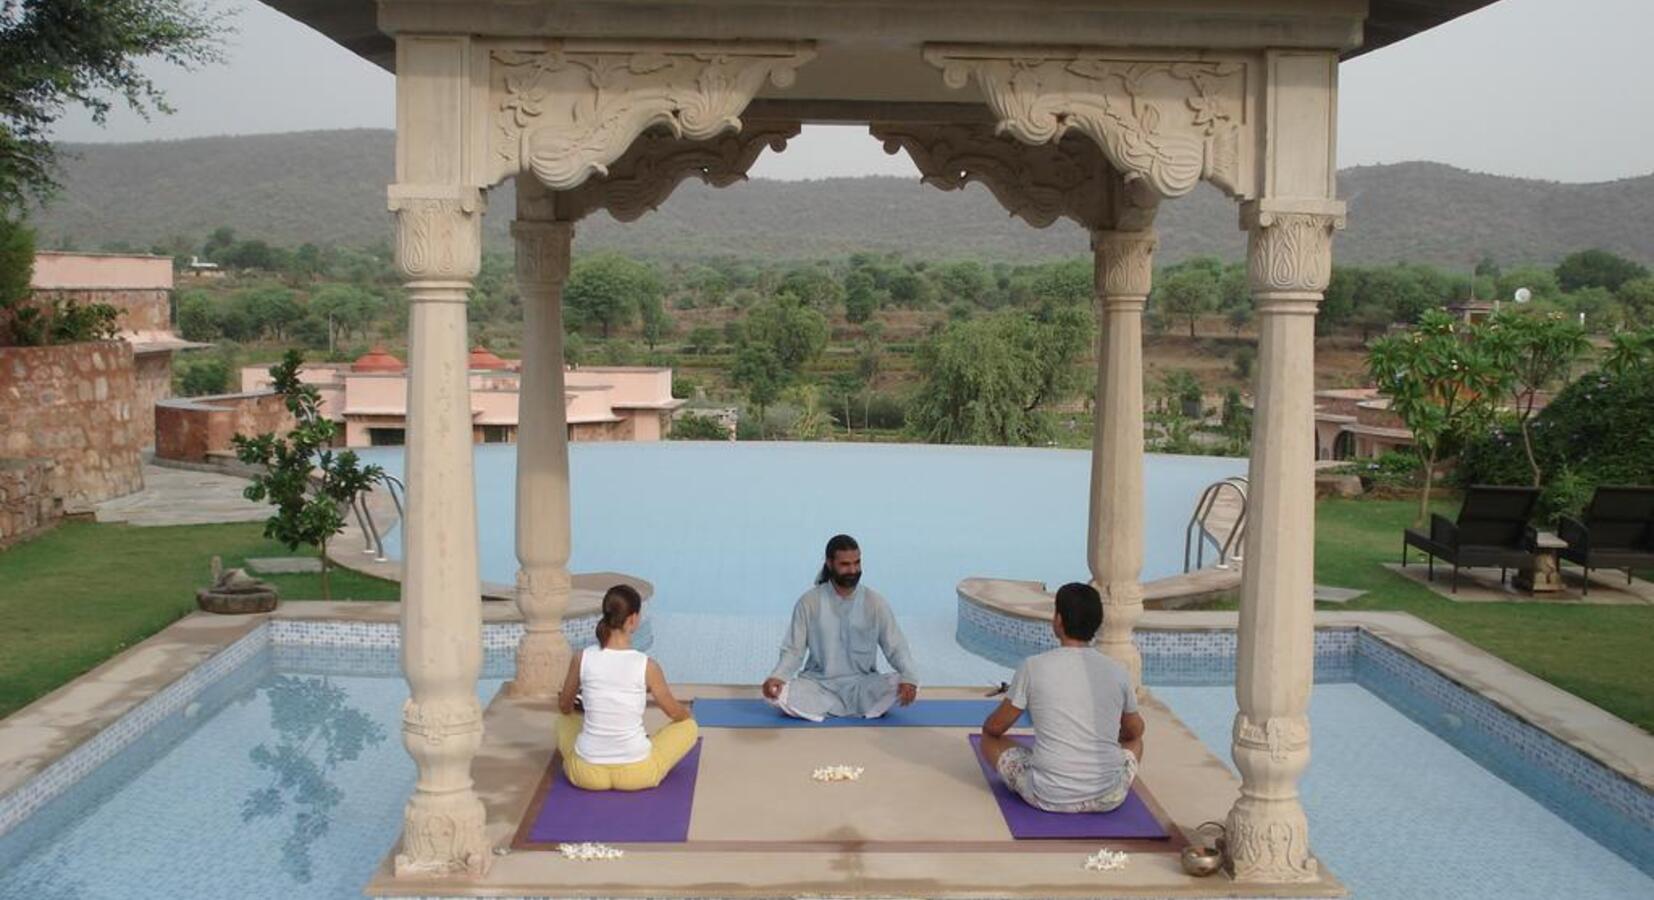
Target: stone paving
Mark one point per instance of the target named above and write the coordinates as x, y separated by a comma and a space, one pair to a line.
184, 497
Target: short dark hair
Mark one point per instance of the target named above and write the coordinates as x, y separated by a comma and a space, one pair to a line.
1081, 609
837, 544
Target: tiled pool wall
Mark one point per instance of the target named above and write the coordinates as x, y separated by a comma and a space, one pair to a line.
1609, 807
119, 751
1169, 657
1614, 810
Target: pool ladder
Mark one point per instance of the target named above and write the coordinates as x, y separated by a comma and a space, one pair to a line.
374, 541
1199, 531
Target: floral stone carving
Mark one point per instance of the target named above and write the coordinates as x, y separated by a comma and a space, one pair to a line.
568, 111
1172, 122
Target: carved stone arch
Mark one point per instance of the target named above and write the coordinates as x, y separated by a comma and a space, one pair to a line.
1038, 183
567, 110
1167, 120
651, 169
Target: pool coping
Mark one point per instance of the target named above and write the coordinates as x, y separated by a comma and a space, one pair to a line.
38, 735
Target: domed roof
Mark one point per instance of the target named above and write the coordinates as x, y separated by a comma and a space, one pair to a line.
377, 360
483, 358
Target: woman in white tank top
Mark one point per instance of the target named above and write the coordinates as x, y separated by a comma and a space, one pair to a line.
606, 748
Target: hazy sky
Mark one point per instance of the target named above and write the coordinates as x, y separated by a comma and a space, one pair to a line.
1534, 88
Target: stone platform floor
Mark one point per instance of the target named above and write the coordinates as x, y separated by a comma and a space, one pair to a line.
920, 822
184, 497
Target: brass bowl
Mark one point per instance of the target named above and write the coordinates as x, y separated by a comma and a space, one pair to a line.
1202, 861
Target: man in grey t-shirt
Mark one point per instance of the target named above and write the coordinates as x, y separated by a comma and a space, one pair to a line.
1088, 737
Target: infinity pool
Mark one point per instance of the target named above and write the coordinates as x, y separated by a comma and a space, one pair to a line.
731, 533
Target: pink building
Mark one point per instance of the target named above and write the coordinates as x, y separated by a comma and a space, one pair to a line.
369, 397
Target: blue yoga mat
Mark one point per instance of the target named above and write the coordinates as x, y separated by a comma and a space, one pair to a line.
753, 713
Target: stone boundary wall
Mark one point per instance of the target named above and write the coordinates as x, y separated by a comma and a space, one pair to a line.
143, 310
188, 429
27, 504
73, 404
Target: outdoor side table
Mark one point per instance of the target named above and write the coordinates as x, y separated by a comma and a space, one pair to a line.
1544, 574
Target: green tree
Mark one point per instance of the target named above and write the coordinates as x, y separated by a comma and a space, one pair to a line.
1636, 297
694, 427
1441, 381
311, 486
702, 339
758, 372
346, 308
203, 376
16, 269
657, 322
861, 298
1187, 294
1628, 352
966, 280
987, 379
1540, 282
607, 290
54, 53
271, 309
815, 286
1537, 352
793, 332
813, 423
1596, 268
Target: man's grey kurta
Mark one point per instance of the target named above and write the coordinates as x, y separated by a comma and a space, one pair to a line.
836, 640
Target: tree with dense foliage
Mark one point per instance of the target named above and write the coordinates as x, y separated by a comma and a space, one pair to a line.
608, 289
1636, 298
202, 376
1629, 351
861, 297
1537, 352
695, 427
987, 379
54, 53
815, 286
1597, 268
311, 485
795, 333
1187, 294
346, 308
16, 268
758, 372
1442, 382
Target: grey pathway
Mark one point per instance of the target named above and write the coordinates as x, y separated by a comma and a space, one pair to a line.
182, 497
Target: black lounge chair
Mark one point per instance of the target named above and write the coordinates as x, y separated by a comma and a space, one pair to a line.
1492, 530
1616, 531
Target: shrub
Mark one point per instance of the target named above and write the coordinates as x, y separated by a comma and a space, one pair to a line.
1600, 429
692, 427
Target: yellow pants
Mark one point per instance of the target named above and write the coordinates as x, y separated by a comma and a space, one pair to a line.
667, 747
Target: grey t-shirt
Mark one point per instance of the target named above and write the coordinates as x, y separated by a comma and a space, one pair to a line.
1075, 697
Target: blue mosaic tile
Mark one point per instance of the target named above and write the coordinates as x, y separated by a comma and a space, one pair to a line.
1616, 811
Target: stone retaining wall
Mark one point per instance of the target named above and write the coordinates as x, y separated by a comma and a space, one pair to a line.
27, 504
188, 429
73, 404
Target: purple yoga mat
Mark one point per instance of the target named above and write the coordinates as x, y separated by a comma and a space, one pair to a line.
1132, 819
658, 815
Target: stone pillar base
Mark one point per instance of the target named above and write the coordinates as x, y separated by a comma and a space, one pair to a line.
542, 662
443, 835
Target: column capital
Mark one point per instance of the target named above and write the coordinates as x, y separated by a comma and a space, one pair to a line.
1289, 248
542, 250
438, 231
1125, 265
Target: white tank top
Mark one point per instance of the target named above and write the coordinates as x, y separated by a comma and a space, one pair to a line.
613, 691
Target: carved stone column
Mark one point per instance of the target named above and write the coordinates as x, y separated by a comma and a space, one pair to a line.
1289, 260
1124, 262
438, 249
542, 459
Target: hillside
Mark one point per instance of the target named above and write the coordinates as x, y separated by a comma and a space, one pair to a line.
329, 186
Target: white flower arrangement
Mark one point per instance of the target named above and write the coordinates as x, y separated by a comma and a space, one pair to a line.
1106, 860
837, 773
587, 851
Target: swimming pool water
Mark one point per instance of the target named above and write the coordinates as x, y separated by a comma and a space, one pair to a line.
731, 533
1398, 813
290, 783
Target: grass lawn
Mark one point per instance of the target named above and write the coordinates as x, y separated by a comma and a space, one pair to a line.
83, 592
1604, 654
